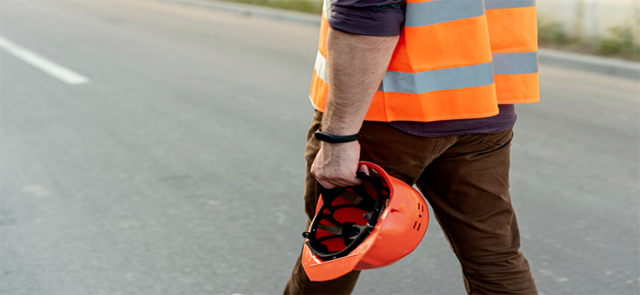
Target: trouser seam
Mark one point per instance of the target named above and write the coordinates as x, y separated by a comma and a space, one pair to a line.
437, 151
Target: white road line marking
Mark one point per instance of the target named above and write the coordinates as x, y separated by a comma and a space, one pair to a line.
46, 65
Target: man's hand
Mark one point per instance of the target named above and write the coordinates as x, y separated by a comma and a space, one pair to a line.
336, 164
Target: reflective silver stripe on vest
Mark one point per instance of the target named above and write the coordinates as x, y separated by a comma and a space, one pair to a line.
321, 67
440, 11
501, 4
445, 79
326, 8
452, 78
515, 63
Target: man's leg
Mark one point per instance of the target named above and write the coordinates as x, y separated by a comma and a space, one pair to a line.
402, 155
468, 188
299, 283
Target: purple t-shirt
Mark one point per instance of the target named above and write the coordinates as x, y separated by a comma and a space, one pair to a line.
500, 122
368, 17
386, 18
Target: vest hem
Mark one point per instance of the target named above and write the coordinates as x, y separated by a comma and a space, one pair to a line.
413, 119
519, 101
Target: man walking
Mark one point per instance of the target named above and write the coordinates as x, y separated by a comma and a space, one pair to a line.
426, 89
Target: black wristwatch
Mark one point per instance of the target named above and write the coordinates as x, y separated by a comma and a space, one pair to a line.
330, 138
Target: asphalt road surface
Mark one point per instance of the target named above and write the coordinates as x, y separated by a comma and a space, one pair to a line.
153, 148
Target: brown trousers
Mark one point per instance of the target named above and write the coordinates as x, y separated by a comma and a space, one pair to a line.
465, 179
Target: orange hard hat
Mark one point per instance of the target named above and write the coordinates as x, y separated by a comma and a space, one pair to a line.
361, 227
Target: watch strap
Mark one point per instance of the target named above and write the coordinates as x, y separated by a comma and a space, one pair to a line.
332, 138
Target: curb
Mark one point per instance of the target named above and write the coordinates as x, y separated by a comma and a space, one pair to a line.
252, 10
581, 62
590, 63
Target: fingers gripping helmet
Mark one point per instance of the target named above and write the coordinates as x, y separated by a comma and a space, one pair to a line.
361, 227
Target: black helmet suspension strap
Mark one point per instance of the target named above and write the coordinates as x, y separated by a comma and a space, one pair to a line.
352, 234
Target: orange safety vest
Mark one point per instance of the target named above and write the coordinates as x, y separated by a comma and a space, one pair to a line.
456, 59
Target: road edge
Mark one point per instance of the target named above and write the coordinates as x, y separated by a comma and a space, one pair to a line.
574, 61
590, 63
252, 10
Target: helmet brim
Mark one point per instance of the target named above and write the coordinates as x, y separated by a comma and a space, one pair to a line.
319, 270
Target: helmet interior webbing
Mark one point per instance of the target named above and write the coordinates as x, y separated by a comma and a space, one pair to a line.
367, 199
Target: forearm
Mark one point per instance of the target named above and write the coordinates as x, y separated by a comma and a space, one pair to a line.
359, 51
357, 64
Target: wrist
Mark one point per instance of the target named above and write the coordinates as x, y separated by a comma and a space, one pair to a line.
335, 138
